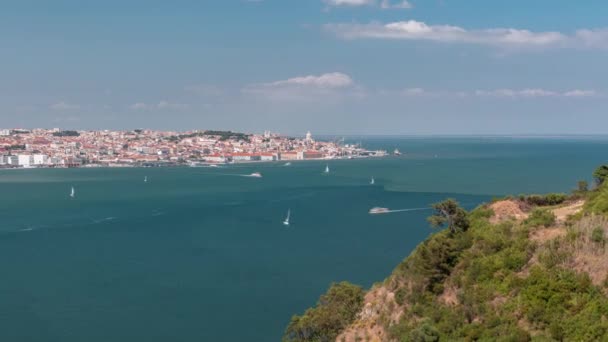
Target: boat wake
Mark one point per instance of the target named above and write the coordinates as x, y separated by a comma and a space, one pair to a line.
110, 218
377, 210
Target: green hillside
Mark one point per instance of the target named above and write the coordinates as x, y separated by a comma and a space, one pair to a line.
532, 268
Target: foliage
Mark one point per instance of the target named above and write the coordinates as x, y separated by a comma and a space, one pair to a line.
597, 235
582, 186
449, 213
335, 310
226, 135
66, 134
544, 200
597, 201
600, 174
501, 285
540, 217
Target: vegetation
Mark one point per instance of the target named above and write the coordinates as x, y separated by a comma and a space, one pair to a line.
600, 174
222, 135
540, 217
449, 214
582, 186
66, 134
226, 135
483, 281
335, 310
543, 200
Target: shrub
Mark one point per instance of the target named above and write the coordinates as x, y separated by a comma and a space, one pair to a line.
540, 217
544, 200
335, 310
597, 235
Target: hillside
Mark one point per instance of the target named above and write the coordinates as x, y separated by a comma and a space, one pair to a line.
531, 268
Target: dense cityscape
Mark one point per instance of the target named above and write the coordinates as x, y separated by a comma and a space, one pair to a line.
22, 148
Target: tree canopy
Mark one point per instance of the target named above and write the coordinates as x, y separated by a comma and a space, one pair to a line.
601, 174
449, 214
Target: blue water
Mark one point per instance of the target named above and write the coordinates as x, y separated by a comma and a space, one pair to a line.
200, 254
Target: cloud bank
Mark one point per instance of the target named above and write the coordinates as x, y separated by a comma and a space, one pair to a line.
499, 37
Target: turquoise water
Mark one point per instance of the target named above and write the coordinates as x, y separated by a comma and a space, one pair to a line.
200, 254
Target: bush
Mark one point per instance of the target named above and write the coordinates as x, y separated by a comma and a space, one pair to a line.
424, 333
600, 174
540, 217
597, 235
544, 200
335, 310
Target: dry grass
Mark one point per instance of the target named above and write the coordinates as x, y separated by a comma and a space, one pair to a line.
546, 234
588, 255
507, 210
577, 249
562, 213
379, 305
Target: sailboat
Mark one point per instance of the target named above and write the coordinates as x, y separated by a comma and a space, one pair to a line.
286, 222
326, 168
373, 181
72, 193
145, 179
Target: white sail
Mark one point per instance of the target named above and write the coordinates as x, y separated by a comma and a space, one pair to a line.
72, 193
326, 168
373, 181
286, 222
145, 179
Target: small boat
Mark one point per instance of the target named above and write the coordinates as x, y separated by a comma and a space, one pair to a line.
326, 168
378, 210
256, 175
73, 193
396, 152
145, 179
287, 164
286, 222
373, 181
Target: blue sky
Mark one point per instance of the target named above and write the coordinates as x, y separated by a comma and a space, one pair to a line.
329, 66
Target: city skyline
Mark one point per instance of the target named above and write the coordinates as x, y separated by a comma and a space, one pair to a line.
330, 66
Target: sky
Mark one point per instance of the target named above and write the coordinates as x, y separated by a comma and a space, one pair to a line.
329, 66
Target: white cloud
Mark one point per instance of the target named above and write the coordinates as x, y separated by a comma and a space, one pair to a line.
64, 106
168, 105
139, 106
161, 105
402, 4
327, 86
580, 93
329, 80
534, 92
414, 92
349, 2
501, 37
384, 4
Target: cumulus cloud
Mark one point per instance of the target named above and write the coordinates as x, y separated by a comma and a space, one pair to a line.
329, 80
580, 93
384, 4
64, 106
535, 92
161, 105
306, 88
501, 37
349, 2
388, 4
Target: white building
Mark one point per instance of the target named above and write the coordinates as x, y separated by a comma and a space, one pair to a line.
24, 160
5, 132
40, 159
11, 160
268, 157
